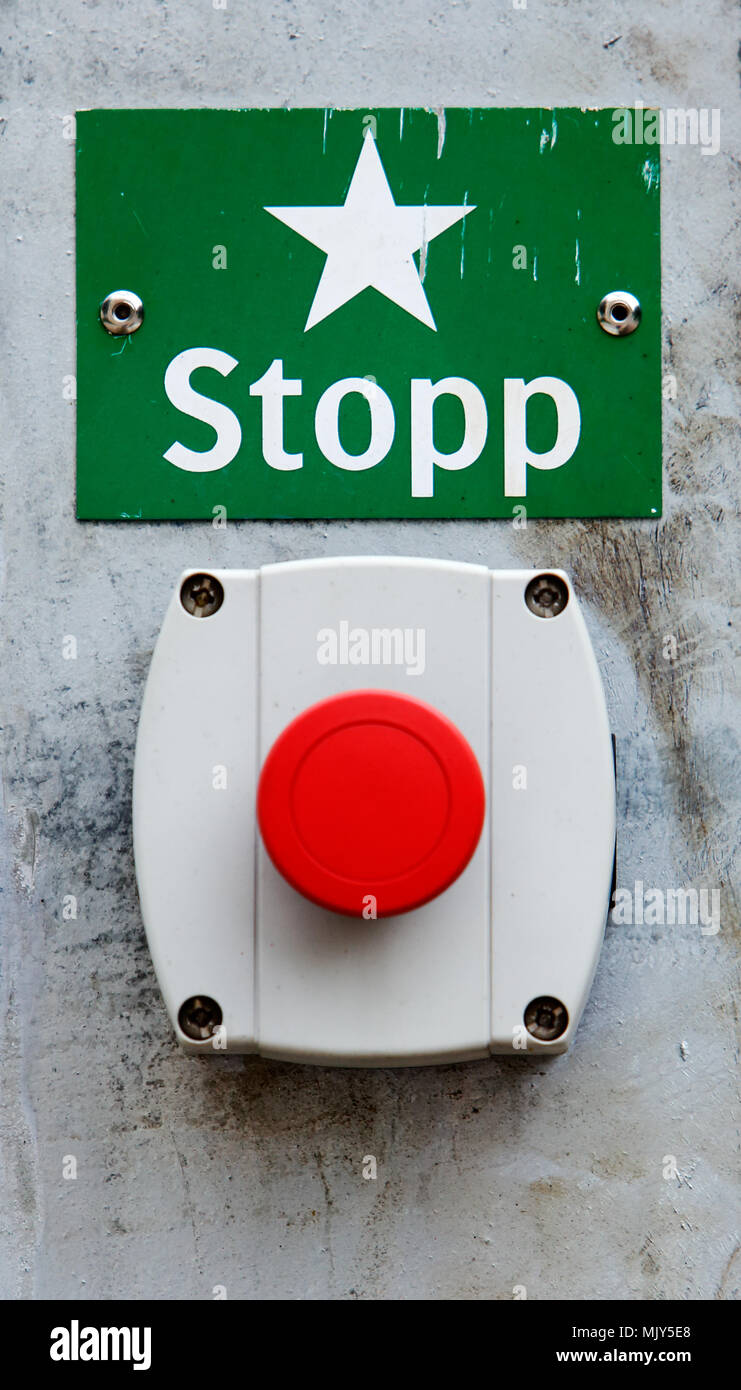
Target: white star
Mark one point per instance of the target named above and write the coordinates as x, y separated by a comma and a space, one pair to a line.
370, 241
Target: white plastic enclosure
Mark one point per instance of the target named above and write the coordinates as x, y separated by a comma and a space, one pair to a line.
451, 980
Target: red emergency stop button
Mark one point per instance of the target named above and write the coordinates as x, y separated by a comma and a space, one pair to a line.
371, 800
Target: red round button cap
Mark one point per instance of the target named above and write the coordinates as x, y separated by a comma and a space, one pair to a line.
371, 793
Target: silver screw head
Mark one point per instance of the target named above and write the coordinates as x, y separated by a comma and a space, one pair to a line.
121, 313
619, 313
546, 595
546, 1018
201, 595
200, 1017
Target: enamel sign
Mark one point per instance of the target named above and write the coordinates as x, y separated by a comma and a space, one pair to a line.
392, 313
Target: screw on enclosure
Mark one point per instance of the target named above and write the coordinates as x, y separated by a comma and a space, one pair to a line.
200, 1017
546, 595
121, 312
201, 595
619, 313
546, 1018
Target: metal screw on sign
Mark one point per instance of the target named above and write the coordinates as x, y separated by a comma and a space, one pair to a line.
619, 313
121, 313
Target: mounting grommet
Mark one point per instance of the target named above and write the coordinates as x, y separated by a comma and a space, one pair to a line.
121, 313
619, 313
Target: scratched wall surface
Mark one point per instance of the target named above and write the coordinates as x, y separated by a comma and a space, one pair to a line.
248, 1174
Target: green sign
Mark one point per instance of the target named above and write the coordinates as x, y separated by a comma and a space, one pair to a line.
393, 313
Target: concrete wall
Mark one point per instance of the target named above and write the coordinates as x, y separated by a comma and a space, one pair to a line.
248, 1174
